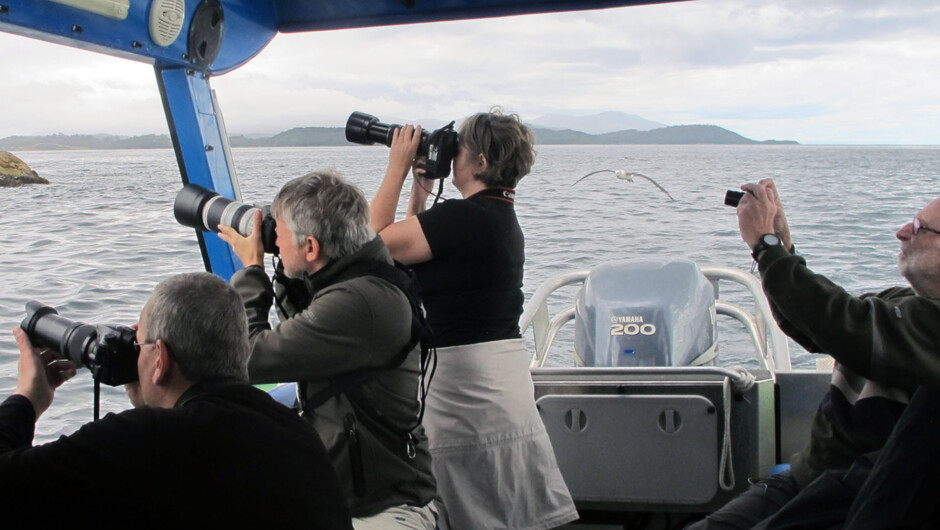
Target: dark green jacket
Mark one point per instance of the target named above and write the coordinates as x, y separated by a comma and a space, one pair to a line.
885, 345
352, 325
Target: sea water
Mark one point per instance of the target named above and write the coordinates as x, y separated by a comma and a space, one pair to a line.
97, 240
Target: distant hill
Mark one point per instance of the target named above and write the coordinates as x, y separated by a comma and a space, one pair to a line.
85, 141
677, 134
296, 137
335, 136
603, 122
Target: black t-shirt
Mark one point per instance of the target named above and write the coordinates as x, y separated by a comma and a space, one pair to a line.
472, 287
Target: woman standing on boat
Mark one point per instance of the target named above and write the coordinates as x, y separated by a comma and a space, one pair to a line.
491, 456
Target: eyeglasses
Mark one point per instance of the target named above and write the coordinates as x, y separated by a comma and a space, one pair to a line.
169, 350
918, 226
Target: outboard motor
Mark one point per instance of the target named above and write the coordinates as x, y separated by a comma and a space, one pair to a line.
645, 313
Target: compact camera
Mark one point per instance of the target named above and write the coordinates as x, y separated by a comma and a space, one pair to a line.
733, 197
203, 209
440, 146
110, 352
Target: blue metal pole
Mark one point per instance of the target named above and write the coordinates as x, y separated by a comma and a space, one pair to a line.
198, 135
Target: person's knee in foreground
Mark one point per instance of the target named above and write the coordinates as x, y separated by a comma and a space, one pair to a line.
346, 337
492, 458
202, 448
884, 343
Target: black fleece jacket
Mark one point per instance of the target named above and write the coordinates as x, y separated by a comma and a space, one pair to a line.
226, 456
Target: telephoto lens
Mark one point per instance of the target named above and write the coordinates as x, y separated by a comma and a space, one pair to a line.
366, 129
440, 146
202, 209
110, 352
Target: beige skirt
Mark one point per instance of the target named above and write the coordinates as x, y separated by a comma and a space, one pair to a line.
491, 456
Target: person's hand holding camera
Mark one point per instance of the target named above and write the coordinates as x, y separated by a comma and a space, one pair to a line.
781, 227
248, 249
39, 373
401, 157
757, 211
422, 186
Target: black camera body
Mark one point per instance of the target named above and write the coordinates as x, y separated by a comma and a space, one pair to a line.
440, 146
203, 209
733, 197
110, 352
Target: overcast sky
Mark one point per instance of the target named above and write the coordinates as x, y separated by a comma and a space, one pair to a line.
815, 71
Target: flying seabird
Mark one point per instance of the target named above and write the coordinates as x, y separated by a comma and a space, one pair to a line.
625, 175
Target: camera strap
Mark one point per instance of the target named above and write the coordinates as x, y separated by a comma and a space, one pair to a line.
97, 398
295, 290
440, 191
507, 195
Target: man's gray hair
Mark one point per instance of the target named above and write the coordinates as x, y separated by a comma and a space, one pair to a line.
202, 320
326, 206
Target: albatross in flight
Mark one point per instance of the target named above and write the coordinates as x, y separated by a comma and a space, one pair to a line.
625, 175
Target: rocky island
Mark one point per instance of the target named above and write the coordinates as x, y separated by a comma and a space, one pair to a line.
14, 172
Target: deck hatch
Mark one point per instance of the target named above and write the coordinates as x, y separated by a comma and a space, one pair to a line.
635, 448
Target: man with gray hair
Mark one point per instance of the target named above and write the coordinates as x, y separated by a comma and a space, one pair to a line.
347, 336
885, 348
203, 449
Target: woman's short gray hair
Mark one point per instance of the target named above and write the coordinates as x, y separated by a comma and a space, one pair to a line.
506, 142
326, 206
202, 320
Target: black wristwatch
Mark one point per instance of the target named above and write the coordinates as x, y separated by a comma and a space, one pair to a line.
766, 241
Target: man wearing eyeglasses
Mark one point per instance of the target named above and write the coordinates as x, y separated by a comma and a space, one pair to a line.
885, 345
203, 449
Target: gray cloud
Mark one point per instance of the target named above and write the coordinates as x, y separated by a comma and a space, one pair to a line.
814, 71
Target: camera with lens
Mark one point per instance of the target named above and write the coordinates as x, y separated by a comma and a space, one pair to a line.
203, 209
733, 197
110, 352
440, 146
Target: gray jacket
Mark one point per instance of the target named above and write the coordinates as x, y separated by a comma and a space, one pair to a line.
352, 325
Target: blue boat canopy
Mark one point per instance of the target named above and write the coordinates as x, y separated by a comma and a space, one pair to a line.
215, 36
305, 15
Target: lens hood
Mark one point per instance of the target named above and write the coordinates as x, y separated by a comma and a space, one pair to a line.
189, 203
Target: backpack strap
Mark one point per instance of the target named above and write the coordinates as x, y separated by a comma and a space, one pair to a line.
421, 334
402, 278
